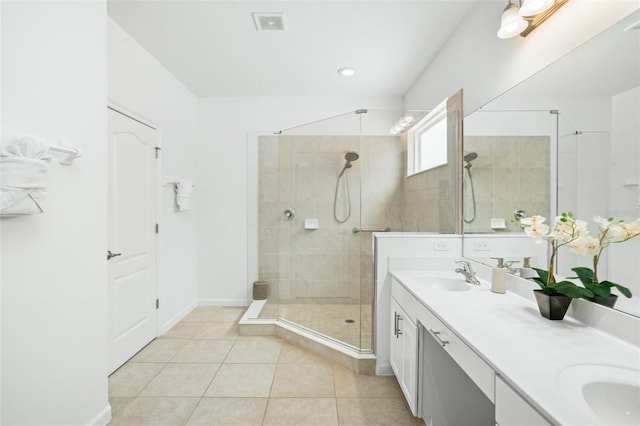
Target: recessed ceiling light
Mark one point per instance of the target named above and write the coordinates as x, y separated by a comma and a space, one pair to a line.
346, 71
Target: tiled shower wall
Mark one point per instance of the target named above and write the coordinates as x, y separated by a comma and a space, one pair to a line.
510, 173
328, 265
428, 203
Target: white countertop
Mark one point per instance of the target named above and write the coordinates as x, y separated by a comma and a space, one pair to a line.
530, 352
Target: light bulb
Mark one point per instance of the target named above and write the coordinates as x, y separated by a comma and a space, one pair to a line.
512, 23
534, 7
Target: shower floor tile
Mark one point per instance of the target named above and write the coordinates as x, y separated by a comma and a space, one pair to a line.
348, 323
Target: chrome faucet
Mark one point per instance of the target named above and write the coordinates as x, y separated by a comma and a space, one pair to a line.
467, 271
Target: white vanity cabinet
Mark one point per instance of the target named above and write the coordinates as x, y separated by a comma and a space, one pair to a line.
513, 410
404, 345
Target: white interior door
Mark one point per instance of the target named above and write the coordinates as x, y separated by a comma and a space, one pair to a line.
132, 237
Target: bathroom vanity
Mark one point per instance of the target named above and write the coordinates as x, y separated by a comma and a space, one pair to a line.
465, 355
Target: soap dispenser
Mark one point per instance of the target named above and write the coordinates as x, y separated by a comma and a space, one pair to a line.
499, 276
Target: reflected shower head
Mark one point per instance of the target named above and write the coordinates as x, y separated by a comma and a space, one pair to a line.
351, 156
470, 156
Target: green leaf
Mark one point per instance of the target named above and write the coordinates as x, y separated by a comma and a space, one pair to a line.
570, 289
622, 289
599, 289
585, 275
543, 276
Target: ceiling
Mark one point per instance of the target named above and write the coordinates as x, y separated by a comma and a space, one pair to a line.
213, 46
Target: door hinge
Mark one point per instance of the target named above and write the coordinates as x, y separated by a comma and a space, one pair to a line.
157, 228
157, 303
157, 148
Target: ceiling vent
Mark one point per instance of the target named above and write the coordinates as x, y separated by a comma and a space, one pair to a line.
269, 21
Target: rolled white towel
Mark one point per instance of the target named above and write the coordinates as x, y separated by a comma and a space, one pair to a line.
184, 192
23, 176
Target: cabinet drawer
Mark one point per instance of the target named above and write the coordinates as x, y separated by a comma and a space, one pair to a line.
512, 410
405, 299
478, 370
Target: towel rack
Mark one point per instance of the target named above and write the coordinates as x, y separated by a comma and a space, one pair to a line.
357, 229
70, 154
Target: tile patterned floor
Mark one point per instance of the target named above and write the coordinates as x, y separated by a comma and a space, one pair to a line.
328, 319
202, 372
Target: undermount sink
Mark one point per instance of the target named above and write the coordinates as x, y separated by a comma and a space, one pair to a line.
611, 393
443, 283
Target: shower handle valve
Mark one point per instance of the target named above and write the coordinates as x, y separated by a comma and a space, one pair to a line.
289, 214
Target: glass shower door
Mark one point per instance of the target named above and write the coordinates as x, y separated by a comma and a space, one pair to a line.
324, 188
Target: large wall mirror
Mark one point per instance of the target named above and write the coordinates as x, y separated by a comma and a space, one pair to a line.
565, 140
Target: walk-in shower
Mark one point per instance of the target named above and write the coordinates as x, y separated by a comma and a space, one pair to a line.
340, 174
469, 191
343, 176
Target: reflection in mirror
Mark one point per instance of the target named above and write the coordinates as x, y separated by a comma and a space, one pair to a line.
511, 170
584, 109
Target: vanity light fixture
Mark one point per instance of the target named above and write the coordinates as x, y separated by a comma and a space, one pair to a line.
511, 23
532, 14
346, 72
533, 7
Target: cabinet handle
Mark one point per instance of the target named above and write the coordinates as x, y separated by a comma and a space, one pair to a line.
395, 324
399, 331
436, 334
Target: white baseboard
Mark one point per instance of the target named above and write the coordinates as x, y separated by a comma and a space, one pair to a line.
176, 318
223, 302
383, 369
102, 418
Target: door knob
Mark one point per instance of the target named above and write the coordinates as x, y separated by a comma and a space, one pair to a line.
110, 254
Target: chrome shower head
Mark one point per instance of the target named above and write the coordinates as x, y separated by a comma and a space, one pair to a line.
470, 156
351, 156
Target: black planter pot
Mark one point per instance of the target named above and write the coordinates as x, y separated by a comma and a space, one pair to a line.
608, 301
552, 307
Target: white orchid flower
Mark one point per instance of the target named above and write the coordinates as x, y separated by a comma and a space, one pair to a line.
625, 231
585, 246
537, 231
533, 220
567, 229
602, 222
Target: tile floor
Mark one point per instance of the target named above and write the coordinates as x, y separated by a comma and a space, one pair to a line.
202, 372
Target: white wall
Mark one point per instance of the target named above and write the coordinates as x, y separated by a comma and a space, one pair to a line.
54, 290
227, 188
406, 252
145, 88
485, 66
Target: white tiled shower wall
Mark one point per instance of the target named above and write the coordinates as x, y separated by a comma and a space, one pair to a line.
328, 265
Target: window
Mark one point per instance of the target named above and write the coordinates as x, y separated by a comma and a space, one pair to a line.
427, 142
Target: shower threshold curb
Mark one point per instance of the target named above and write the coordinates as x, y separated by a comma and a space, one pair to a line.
250, 325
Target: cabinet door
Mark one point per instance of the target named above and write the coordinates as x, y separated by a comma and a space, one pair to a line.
394, 347
409, 370
404, 354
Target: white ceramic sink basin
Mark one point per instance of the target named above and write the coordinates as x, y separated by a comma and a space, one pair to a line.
436, 282
612, 394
